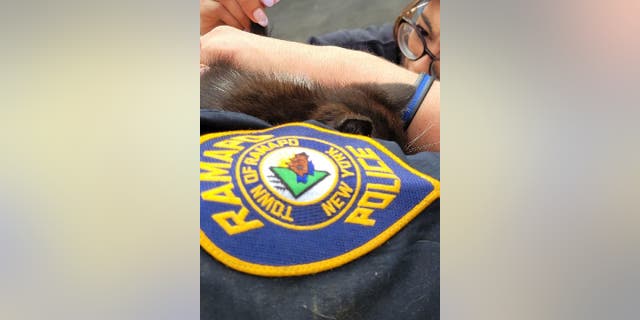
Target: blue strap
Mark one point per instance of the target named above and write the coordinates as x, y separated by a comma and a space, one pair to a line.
423, 84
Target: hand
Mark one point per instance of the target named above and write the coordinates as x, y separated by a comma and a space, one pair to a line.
235, 13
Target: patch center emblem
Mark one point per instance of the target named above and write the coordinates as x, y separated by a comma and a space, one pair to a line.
299, 174
300, 183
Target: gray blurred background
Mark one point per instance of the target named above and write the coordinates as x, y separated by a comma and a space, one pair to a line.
299, 19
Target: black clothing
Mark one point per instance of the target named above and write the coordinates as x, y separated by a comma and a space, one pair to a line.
377, 40
398, 280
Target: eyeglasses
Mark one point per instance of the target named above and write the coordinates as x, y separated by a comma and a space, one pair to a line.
411, 36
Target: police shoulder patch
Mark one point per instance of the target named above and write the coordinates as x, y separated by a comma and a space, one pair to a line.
299, 199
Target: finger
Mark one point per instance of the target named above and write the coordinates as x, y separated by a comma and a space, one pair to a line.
234, 8
228, 18
208, 18
254, 10
213, 14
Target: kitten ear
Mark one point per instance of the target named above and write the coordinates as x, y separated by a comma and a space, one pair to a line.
398, 94
356, 124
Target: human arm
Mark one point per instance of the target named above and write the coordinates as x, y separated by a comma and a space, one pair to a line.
327, 64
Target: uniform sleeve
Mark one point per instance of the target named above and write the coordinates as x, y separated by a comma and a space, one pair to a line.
400, 279
377, 40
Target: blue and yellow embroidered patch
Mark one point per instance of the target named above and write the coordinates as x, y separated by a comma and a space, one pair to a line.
299, 199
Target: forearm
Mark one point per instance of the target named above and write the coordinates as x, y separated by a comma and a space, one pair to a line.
358, 66
328, 65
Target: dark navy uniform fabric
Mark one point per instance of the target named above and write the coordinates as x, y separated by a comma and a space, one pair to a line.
377, 40
398, 280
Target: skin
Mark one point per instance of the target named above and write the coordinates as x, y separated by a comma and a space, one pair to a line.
235, 13
326, 64
430, 22
239, 14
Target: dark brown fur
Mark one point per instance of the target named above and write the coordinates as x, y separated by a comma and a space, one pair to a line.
366, 109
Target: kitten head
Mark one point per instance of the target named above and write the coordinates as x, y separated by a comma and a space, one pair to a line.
368, 109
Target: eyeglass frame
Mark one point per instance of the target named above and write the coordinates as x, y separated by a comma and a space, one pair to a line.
403, 18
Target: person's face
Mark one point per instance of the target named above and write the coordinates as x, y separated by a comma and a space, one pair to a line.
429, 22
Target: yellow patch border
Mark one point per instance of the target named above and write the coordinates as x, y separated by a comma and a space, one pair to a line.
323, 265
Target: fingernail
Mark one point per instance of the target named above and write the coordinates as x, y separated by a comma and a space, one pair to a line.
261, 17
269, 3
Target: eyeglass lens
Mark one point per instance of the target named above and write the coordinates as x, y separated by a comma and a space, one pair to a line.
409, 41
